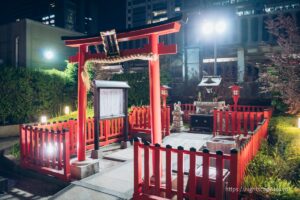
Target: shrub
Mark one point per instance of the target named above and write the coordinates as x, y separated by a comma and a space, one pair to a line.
277, 165
27, 93
263, 187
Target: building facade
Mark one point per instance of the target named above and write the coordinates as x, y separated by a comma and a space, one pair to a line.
74, 15
243, 44
28, 43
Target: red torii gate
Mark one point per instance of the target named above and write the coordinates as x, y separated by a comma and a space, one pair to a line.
150, 32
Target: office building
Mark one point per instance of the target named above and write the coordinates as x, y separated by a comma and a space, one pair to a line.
27, 43
74, 15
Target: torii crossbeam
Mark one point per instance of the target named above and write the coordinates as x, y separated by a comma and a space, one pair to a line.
153, 48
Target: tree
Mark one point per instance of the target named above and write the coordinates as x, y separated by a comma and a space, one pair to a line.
281, 76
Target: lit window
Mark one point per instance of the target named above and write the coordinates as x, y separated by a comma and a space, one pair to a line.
177, 9
52, 21
52, 16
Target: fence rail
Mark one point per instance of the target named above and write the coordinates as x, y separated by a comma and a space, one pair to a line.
45, 151
245, 108
139, 120
235, 122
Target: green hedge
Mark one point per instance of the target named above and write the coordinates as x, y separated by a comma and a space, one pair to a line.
26, 94
275, 170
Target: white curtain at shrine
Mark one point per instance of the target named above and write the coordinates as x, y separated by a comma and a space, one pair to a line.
111, 102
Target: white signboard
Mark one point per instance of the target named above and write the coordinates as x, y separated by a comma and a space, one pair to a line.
111, 103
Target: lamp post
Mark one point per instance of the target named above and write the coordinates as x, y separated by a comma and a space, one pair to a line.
213, 29
235, 90
164, 94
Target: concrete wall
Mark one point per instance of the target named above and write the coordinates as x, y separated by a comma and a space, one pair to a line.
34, 39
41, 38
8, 35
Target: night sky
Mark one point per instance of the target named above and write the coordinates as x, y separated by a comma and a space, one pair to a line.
113, 14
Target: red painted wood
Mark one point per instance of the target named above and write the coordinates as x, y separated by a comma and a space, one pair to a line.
168, 173
157, 170
146, 168
219, 177
137, 168
205, 176
234, 177
154, 85
164, 29
192, 176
180, 174
82, 103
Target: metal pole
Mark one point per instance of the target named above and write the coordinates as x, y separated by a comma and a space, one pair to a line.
154, 83
215, 56
82, 102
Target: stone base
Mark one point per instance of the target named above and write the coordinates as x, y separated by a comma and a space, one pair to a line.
96, 154
83, 169
125, 144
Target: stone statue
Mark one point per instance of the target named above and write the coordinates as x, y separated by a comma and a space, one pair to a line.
177, 125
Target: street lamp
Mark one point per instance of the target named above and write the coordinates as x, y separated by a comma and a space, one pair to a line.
214, 28
48, 54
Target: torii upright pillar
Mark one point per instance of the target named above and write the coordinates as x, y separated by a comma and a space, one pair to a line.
82, 104
154, 85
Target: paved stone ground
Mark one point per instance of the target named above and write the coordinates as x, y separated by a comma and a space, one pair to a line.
115, 180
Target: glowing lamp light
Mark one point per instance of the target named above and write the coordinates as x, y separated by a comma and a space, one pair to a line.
49, 55
207, 28
43, 119
211, 27
50, 149
220, 27
67, 110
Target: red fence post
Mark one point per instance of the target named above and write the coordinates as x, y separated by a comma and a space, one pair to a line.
137, 169
157, 169
205, 174
146, 166
66, 154
219, 175
168, 171
180, 172
192, 174
234, 175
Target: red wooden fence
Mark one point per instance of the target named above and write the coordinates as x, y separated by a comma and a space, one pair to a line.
233, 123
187, 110
191, 109
139, 120
190, 179
46, 151
245, 108
177, 173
